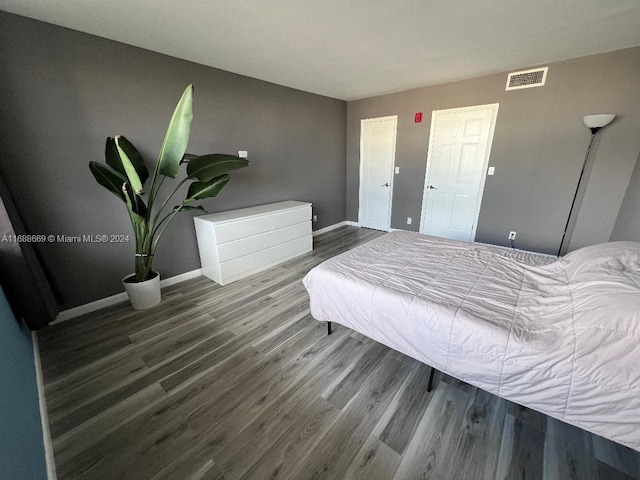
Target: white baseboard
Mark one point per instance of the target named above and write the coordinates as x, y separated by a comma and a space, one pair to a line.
44, 417
329, 228
90, 307
119, 298
183, 277
352, 224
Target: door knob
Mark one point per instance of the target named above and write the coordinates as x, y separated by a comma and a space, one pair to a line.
431, 187
385, 184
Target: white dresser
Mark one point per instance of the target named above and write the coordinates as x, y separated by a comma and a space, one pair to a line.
237, 243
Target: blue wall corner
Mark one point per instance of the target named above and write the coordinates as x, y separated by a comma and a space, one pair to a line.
22, 454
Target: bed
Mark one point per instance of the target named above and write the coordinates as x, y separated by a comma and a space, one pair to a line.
560, 336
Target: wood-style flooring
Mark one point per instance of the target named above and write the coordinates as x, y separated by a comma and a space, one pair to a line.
240, 382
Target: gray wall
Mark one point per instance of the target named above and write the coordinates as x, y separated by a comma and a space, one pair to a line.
63, 92
627, 225
21, 444
538, 149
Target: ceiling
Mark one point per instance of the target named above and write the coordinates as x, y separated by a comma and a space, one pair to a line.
350, 49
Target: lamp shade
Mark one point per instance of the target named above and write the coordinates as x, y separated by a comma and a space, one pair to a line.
598, 121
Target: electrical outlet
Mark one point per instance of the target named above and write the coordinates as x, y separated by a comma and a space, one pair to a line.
315, 218
409, 220
512, 235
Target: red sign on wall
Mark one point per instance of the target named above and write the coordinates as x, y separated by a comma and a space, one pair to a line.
418, 117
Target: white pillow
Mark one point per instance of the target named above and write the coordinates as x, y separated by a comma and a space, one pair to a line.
604, 258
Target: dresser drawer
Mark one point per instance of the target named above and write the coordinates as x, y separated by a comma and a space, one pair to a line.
292, 248
227, 232
246, 263
244, 246
291, 217
293, 231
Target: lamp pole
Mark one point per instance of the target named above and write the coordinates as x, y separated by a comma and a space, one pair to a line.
593, 123
594, 130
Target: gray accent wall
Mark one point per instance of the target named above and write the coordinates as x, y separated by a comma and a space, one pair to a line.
627, 226
538, 150
62, 92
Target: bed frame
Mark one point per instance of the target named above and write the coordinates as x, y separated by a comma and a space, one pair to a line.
431, 374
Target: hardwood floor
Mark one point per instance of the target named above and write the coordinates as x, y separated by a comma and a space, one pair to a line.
240, 382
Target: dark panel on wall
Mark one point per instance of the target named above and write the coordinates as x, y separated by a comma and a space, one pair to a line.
63, 92
21, 445
538, 149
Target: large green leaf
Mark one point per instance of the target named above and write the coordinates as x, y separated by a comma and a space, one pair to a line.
131, 202
129, 169
118, 185
200, 190
113, 158
184, 208
177, 136
135, 157
109, 179
209, 166
137, 203
187, 157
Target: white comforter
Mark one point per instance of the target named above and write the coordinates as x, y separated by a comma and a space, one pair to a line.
559, 336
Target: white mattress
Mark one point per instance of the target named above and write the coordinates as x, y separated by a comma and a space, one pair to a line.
558, 336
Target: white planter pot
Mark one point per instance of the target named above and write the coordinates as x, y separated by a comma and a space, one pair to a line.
145, 294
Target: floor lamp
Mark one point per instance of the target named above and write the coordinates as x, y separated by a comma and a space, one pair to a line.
593, 123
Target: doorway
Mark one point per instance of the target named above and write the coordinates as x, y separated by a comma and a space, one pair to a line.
457, 160
377, 159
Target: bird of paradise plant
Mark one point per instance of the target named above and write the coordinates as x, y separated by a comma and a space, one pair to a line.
125, 175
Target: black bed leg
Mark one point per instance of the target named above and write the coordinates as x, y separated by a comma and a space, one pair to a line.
430, 384
328, 328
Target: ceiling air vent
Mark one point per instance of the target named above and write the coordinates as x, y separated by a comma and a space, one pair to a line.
527, 78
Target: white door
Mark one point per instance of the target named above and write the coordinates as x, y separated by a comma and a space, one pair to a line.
459, 148
377, 157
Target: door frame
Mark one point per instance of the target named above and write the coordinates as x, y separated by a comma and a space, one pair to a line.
393, 164
485, 164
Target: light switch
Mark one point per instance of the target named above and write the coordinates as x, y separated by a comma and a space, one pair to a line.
242, 154
491, 170
397, 170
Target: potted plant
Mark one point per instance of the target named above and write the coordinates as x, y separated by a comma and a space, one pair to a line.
125, 175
